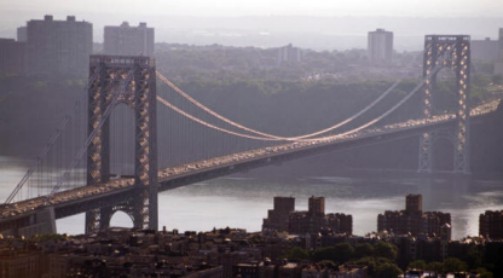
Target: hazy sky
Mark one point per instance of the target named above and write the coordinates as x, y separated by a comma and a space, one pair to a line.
421, 8
174, 19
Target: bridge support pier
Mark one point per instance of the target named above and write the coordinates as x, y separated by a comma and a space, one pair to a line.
452, 52
129, 80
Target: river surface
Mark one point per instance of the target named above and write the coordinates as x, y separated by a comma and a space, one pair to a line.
243, 202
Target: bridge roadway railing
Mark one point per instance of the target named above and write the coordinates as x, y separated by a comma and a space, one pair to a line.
174, 176
80, 193
228, 164
183, 174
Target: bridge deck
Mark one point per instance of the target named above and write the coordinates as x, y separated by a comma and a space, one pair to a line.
77, 196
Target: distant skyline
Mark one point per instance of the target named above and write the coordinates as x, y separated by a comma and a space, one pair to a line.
317, 24
414, 8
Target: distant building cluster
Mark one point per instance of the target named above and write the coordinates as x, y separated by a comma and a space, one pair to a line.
489, 51
289, 55
380, 47
283, 218
125, 253
121, 252
50, 47
486, 50
491, 224
414, 221
59, 47
126, 40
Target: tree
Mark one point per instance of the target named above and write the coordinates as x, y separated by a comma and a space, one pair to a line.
341, 252
473, 256
327, 253
363, 250
387, 270
493, 256
369, 262
327, 264
297, 254
385, 250
417, 264
344, 251
484, 273
434, 266
454, 265
379, 267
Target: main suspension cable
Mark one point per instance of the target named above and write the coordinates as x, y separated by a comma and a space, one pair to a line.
369, 123
379, 118
204, 123
385, 114
206, 109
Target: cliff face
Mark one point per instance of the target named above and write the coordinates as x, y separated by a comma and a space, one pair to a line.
31, 112
486, 144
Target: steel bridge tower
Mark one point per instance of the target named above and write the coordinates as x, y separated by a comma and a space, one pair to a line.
128, 80
453, 52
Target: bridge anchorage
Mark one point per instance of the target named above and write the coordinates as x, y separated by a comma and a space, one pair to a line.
132, 81
452, 52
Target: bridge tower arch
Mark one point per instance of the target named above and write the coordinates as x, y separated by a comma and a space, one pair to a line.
129, 80
452, 52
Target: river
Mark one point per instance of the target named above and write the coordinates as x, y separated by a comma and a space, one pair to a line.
243, 202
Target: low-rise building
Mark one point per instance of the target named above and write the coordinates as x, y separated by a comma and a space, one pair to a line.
414, 221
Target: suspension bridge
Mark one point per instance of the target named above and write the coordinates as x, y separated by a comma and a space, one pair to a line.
81, 169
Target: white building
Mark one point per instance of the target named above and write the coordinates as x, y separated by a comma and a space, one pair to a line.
128, 40
380, 47
59, 47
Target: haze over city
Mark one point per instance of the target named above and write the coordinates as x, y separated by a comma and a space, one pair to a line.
324, 25
259, 138
411, 8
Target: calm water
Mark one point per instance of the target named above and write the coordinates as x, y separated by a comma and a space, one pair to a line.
243, 202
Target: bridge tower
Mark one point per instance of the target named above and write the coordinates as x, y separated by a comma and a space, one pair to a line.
452, 52
128, 80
